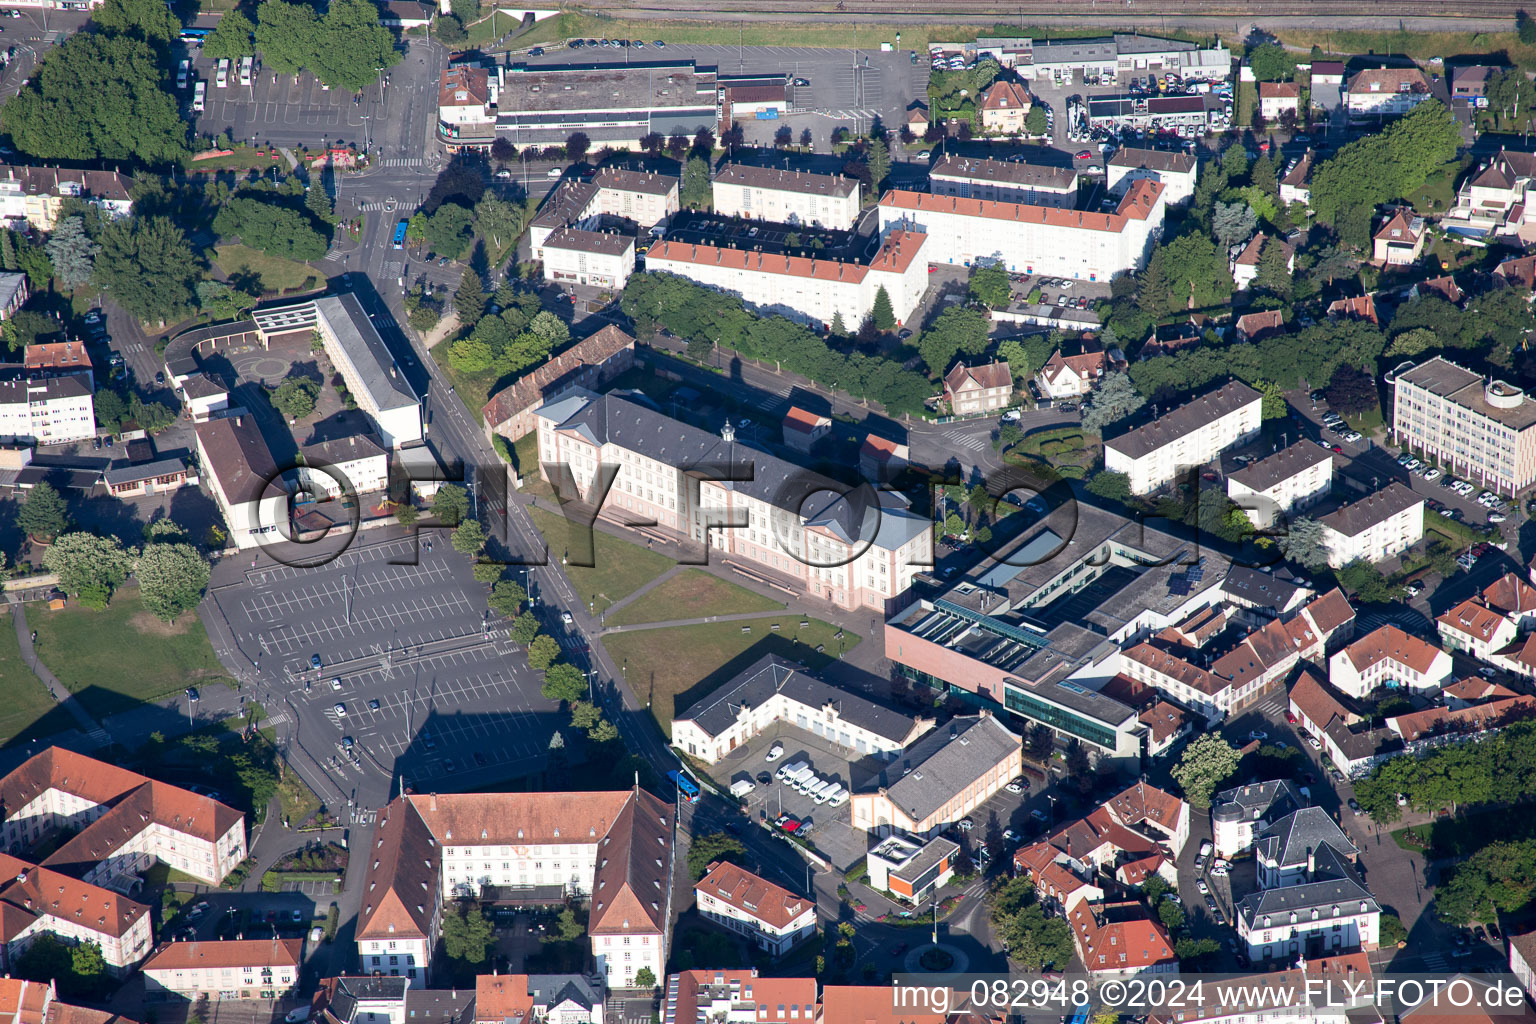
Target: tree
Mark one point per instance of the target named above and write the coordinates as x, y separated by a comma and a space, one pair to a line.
466, 11
294, 397
471, 355
502, 150
230, 38
149, 20
449, 229
46, 959
584, 714
1262, 176
878, 158
990, 287
467, 934
507, 598
551, 328
42, 514
172, 579
1303, 542
223, 301
1171, 915
1351, 391
1525, 28
72, 252
1206, 762
1271, 63
882, 314
1039, 742
345, 49
696, 188
498, 220
271, 228
450, 30
957, 330
1392, 931
148, 267
542, 652
1233, 223
1034, 121
1413, 342
27, 327
317, 200
562, 682
470, 299
1274, 270
487, 572
524, 629
469, 538
88, 566
450, 504
712, 847
645, 978
1380, 167
1234, 162
1115, 399
88, 965
576, 147
124, 114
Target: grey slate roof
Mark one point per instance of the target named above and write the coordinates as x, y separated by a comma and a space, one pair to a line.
771, 675
1153, 160
367, 351
946, 761
553, 989
612, 419
1336, 886
125, 473
1307, 830
1354, 519
1186, 419
1284, 464
1261, 800
1006, 172
1265, 589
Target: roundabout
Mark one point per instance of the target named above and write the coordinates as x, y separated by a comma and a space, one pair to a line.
935, 958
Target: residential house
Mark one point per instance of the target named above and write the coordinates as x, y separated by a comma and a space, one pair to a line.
1359, 307
739, 996
1400, 239
1279, 98
48, 409
1494, 201
1073, 376
1288, 481
1475, 628
1296, 182
880, 458
1375, 528
1444, 286
1004, 105
551, 998
973, 390
1522, 961
14, 292
772, 917
1245, 265
803, 429
1389, 658
952, 772
1261, 325
1191, 435
1175, 170
1470, 83
1166, 724
34, 196
597, 259
1119, 940
224, 969
1385, 92
466, 105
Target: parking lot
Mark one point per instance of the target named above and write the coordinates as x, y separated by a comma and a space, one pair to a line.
274, 107
424, 681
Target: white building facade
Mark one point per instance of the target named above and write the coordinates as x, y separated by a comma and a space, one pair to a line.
1292, 479
1375, 528
787, 197
1191, 435
51, 410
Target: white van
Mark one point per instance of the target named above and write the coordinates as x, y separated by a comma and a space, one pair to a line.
741, 787
840, 799
793, 768
247, 64
221, 73
804, 781
818, 787
827, 792
199, 95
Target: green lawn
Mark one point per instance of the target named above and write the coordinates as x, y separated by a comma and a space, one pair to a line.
674, 667
473, 389
618, 568
277, 274
112, 660
692, 594
29, 710
244, 158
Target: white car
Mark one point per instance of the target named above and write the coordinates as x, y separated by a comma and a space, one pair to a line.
1014, 787
336, 683
1431, 473
776, 752
1205, 890
341, 710
1496, 517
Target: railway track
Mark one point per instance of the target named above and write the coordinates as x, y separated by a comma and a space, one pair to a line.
1109, 10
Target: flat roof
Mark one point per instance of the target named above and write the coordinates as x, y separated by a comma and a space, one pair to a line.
1080, 700
636, 86
1456, 384
131, 473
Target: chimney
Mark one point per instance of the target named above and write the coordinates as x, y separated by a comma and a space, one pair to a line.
239, 420
1311, 864
432, 802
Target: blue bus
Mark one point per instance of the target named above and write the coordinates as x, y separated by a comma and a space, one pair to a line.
686, 787
194, 35
400, 234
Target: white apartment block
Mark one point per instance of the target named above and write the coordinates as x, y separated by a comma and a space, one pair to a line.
1375, 528
739, 997
600, 259
1292, 479
1191, 435
646, 199
1522, 960
614, 849
1176, 172
243, 479
1003, 181
359, 354
1032, 239
355, 463
787, 197
1483, 431
786, 521
1341, 914
1391, 659
232, 969
48, 410
804, 287
123, 823
772, 917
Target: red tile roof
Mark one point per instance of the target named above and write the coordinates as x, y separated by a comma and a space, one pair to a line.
1389, 643
531, 389
896, 254
464, 86
1005, 95
1473, 618
24, 1002
772, 904
500, 997
804, 420
1138, 203
188, 956
1279, 90
1478, 718
58, 355
1361, 307
1511, 595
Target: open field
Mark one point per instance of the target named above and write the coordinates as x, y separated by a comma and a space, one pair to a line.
277, 274
113, 660
29, 711
619, 568
692, 594
674, 667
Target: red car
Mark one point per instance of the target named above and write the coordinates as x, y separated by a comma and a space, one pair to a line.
1084, 155
1290, 717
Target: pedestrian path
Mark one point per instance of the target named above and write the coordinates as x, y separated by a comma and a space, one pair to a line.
375, 207
55, 688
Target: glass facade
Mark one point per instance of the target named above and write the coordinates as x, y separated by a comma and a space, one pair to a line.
1059, 718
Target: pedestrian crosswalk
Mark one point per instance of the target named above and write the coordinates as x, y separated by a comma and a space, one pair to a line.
394, 268
1270, 708
374, 207
334, 255
974, 442
404, 161
1434, 963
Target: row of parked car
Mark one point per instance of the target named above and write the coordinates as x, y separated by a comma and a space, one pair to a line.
802, 778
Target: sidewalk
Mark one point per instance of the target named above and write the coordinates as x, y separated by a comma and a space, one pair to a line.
55, 688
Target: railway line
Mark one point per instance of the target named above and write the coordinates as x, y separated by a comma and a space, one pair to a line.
1024, 11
